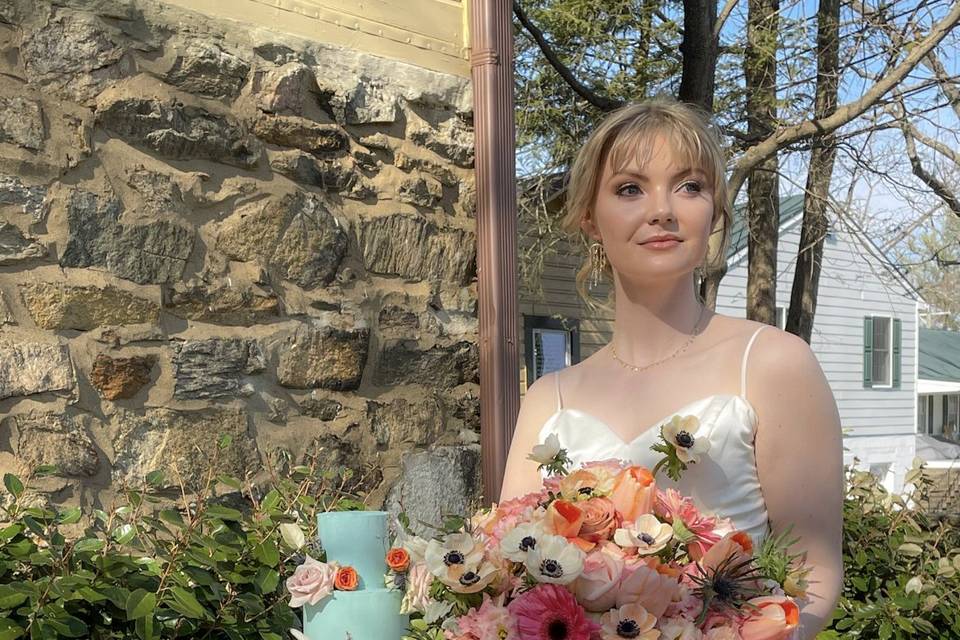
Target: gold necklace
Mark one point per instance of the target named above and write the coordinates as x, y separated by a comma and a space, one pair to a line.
683, 347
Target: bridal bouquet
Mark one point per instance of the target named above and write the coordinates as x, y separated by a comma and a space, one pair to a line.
601, 553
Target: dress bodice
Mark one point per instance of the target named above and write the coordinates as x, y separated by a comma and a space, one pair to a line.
724, 482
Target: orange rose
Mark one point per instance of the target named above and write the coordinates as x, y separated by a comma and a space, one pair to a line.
398, 559
775, 618
599, 519
564, 518
347, 579
634, 493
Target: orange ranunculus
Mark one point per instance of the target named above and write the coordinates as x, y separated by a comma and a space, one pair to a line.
398, 559
564, 518
634, 493
775, 618
600, 520
347, 579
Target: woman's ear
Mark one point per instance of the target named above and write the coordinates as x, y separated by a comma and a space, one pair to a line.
589, 227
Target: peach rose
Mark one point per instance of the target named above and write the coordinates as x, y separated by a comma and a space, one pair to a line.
776, 619
634, 492
347, 579
597, 587
398, 559
644, 584
599, 520
311, 582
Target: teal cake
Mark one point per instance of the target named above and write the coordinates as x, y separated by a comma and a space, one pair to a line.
372, 612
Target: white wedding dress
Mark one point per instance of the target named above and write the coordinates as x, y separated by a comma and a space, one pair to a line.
724, 482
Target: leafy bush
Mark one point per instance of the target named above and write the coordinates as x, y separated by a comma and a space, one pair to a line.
209, 566
901, 563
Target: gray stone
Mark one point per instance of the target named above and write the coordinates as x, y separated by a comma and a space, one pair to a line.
337, 175
283, 90
300, 133
467, 409
54, 439
183, 445
14, 247
213, 368
440, 171
453, 139
155, 252
341, 461
414, 248
6, 315
225, 303
61, 306
21, 122
404, 423
178, 131
439, 367
27, 368
368, 101
207, 69
436, 483
296, 236
158, 192
73, 52
323, 357
13, 191
325, 409
425, 191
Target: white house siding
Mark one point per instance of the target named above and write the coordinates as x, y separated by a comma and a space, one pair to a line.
879, 424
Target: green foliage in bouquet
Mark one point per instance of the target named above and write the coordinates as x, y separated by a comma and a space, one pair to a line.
901, 564
208, 564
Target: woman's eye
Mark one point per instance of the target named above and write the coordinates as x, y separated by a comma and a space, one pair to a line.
628, 190
692, 186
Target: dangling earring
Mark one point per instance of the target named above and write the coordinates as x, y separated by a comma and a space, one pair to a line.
598, 262
699, 273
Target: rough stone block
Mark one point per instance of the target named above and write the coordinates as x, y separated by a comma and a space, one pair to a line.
439, 367
453, 139
21, 122
283, 90
424, 191
14, 247
118, 378
182, 444
54, 439
213, 368
300, 133
30, 198
207, 69
225, 303
414, 248
61, 306
404, 423
27, 368
323, 357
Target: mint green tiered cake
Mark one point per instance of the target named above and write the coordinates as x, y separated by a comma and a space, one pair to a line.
358, 539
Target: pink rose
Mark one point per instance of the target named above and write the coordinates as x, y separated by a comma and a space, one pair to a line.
311, 582
597, 587
417, 597
599, 520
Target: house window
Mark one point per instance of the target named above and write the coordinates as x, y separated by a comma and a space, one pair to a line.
882, 337
951, 415
922, 415
781, 317
550, 344
881, 351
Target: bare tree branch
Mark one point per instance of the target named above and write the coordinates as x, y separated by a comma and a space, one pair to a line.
844, 113
600, 102
724, 14
942, 191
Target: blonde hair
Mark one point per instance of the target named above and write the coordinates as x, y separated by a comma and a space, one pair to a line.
627, 134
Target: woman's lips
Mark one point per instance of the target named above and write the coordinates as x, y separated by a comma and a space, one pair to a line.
660, 244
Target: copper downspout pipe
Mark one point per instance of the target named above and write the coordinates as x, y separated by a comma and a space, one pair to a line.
491, 63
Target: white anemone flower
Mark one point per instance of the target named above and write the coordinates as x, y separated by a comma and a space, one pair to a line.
448, 559
555, 560
629, 621
546, 452
685, 434
473, 579
521, 539
647, 534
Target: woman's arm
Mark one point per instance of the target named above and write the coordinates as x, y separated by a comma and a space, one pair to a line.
521, 475
799, 453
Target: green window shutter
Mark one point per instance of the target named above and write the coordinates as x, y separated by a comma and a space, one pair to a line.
867, 351
896, 353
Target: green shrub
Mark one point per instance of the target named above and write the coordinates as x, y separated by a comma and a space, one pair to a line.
210, 567
901, 564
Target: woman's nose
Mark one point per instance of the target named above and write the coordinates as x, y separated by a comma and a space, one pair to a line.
661, 211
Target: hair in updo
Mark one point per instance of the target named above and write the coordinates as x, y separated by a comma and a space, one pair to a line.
628, 134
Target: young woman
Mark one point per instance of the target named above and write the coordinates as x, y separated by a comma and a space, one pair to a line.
647, 191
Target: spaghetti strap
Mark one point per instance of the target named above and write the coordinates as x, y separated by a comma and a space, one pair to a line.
743, 365
556, 376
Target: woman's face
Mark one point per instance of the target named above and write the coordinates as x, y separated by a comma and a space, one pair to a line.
636, 204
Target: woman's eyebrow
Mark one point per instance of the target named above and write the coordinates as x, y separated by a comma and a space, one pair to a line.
642, 177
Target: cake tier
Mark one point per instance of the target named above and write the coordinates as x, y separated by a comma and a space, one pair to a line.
356, 615
358, 539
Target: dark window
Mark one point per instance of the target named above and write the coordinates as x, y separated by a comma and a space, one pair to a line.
551, 344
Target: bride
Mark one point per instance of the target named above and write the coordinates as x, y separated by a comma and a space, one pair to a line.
647, 190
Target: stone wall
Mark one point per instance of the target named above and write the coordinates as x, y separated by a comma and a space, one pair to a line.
208, 228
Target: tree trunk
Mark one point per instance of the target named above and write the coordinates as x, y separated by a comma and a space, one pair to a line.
806, 278
699, 50
763, 187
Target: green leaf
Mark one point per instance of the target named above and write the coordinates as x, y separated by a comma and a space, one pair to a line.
124, 533
910, 549
231, 482
185, 603
10, 630
140, 604
13, 484
225, 441
155, 478
172, 516
267, 553
223, 513
270, 501
89, 545
144, 628
266, 580
69, 516
69, 626
45, 470
10, 598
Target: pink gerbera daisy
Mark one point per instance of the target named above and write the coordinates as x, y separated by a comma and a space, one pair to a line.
550, 612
